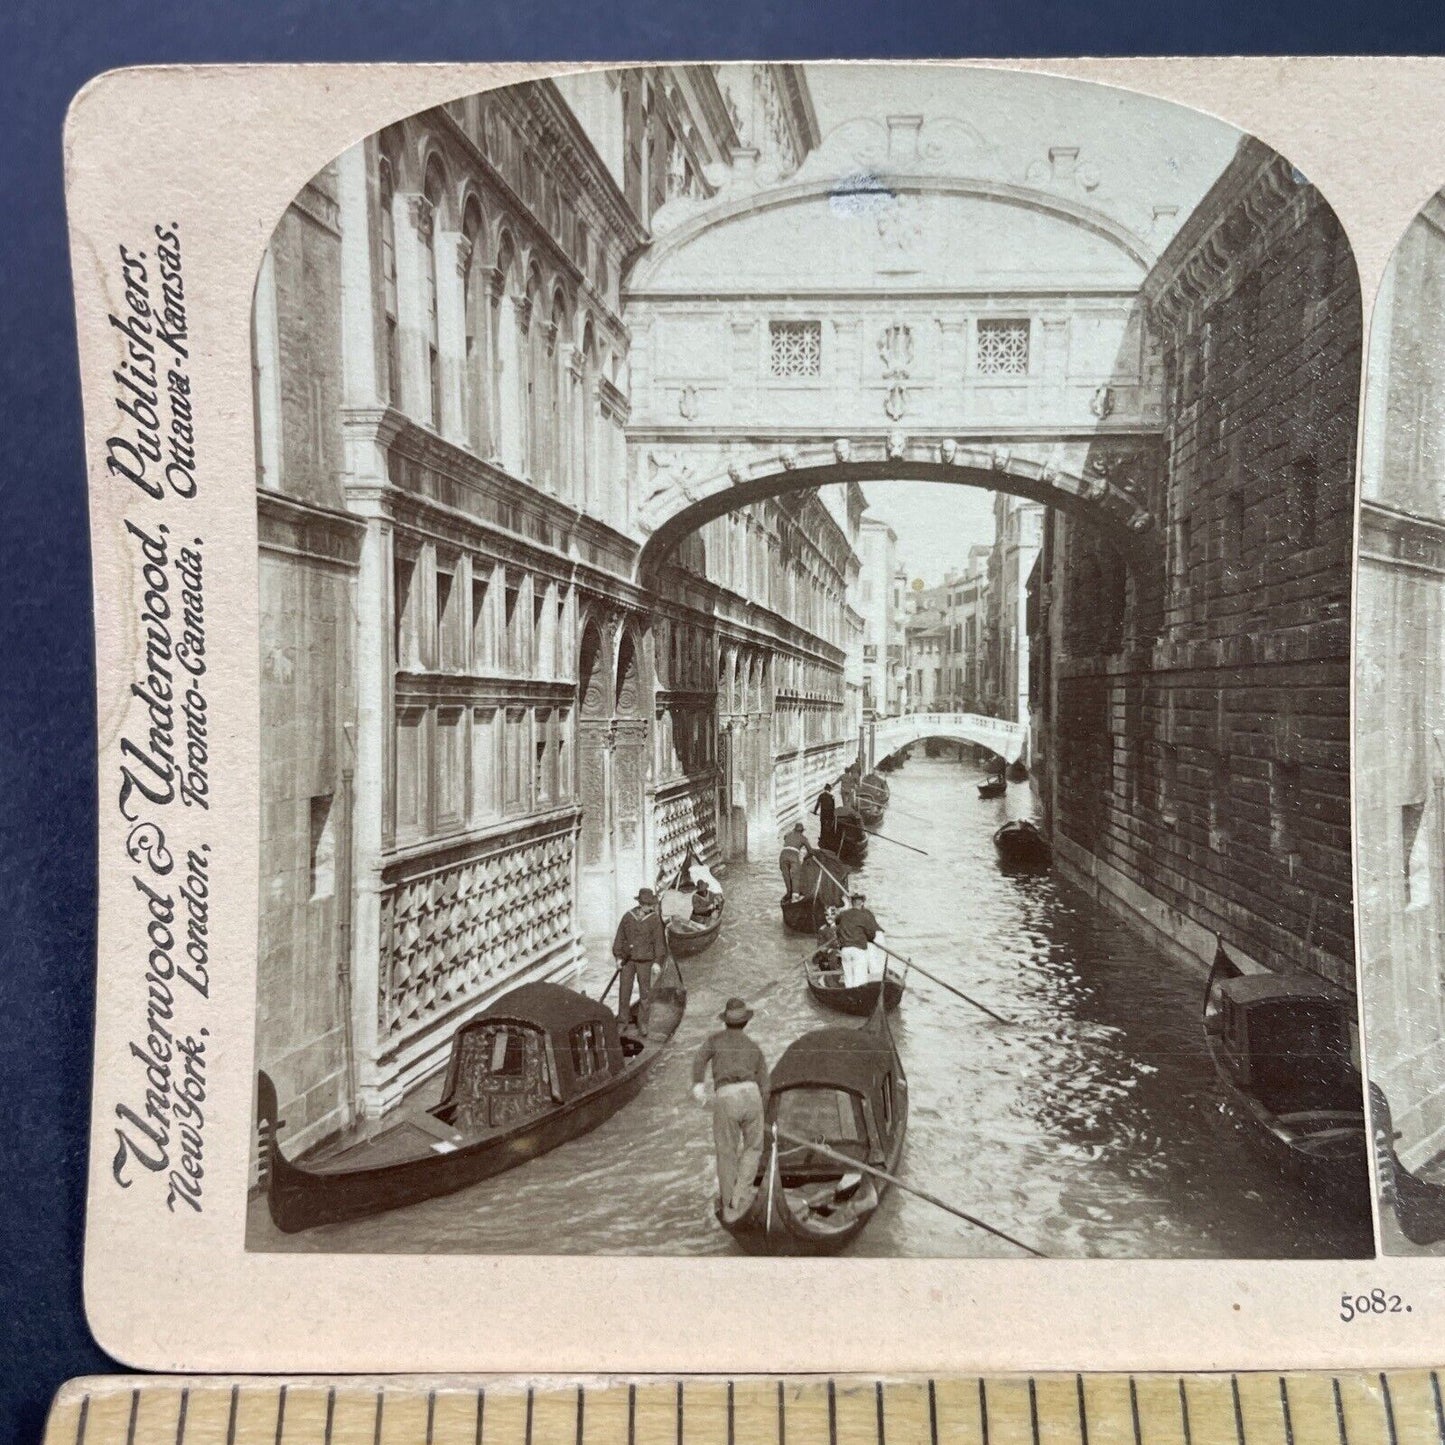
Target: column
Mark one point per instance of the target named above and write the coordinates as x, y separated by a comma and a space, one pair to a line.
454, 253
360, 336
413, 230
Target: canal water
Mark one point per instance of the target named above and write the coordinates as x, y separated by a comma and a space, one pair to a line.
1089, 1125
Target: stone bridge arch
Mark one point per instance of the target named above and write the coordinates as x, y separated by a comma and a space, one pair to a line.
1112, 484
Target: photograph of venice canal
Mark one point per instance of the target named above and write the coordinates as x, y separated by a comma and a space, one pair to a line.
809, 713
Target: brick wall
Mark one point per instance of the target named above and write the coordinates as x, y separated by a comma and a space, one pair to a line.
1204, 750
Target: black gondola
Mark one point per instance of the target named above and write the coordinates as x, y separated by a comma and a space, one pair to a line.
852, 837
875, 788
1281, 1046
1022, 847
1418, 1204
825, 982
994, 787
822, 884
542, 1065
843, 1089
870, 812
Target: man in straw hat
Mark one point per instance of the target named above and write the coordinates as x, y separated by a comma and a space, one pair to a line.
740, 1084
639, 947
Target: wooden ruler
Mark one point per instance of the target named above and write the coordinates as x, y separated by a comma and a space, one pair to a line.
1399, 1408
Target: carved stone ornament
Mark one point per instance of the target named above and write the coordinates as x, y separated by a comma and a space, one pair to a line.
895, 348
735, 473
687, 403
843, 449
999, 458
1095, 488
947, 451
1140, 521
1102, 402
895, 403
897, 445
789, 458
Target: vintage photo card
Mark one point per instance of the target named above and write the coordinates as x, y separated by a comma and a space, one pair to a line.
733, 682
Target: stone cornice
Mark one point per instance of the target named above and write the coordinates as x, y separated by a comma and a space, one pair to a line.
301, 528
1237, 217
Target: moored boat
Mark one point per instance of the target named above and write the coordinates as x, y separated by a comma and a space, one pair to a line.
1281, 1045
838, 1098
1022, 846
870, 812
822, 884
1418, 1204
824, 973
542, 1065
994, 787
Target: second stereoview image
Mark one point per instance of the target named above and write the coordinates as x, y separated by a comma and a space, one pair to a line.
805, 669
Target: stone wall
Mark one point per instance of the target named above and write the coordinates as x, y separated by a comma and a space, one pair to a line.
1202, 776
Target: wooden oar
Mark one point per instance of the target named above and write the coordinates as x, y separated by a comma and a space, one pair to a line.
615, 972
933, 978
896, 842
851, 1163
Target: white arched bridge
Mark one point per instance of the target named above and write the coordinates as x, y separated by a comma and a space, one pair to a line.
886, 735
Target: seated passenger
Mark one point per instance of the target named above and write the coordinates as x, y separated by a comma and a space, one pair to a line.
828, 933
705, 903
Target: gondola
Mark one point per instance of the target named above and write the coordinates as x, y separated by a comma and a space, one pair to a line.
825, 982
843, 1089
994, 787
542, 1065
685, 936
1022, 847
874, 787
853, 847
1281, 1047
1418, 1204
870, 812
823, 884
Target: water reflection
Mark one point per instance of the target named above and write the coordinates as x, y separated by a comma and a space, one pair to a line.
1091, 1124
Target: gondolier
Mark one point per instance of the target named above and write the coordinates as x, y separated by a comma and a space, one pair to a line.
825, 807
857, 930
640, 945
790, 860
740, 1084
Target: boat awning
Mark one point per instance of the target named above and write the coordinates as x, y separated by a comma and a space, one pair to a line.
549, 1006
1251, 988
839, 1058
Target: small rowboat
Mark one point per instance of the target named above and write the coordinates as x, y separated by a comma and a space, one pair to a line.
1419, 1204
823, 882
994, 787
825, 982
870, 812
542, 1065
686, 935
1281, 1047
838, 1096
1022, 847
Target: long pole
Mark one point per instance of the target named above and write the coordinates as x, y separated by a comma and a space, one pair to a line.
896, 843
933, 978
852, 1163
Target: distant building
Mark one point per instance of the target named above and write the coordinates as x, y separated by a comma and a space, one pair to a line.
1018, 532
880, 601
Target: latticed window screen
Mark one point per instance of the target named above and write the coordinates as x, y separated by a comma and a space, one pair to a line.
797, 348
1003, 348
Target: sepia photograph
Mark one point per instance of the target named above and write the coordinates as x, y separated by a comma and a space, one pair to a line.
1400, 737
805, 623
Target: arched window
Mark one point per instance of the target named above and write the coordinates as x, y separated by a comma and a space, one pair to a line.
386, 203
434, 189
476, 380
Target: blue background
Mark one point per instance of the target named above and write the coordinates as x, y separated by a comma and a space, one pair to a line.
47, 736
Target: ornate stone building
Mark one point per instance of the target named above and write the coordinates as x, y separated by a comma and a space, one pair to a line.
484, 726
1400, 690
1197, 695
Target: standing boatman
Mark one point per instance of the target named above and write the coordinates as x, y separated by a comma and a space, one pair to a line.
857, 929
790, 860
825, 807
740, 1084
639, 947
